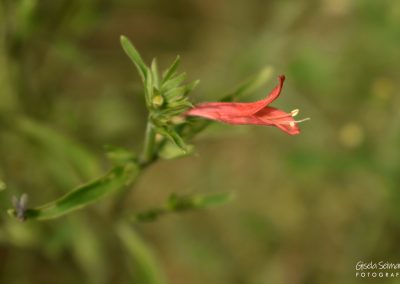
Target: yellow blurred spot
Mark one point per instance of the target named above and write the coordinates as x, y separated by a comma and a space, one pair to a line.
2, 185
383, 88
159, 137
178, 119
351, 135
337, 7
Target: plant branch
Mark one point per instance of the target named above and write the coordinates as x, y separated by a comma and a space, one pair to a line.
147, 157
149, 144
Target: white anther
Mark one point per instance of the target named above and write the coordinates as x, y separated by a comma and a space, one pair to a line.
295, 112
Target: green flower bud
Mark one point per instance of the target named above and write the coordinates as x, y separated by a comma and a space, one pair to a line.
158, 101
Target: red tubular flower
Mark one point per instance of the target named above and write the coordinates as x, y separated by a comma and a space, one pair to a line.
251, 113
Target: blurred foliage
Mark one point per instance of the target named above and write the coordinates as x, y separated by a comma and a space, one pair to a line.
307, 208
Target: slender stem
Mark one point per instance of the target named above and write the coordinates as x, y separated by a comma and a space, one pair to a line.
147, 158
118, 207
149, 144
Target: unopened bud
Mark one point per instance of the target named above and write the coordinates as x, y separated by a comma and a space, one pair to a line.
178, 119
158, 101
159, 137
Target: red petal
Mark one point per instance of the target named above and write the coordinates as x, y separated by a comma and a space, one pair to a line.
267, 117
249, 113
279, 118
219, 110
288, 129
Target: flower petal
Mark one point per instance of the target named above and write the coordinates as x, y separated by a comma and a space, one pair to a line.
258, 113
269, 116
219, 110
279, 118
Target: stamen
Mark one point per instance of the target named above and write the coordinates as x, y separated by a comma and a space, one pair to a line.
293, 123
285, 115
292, 114
301, 120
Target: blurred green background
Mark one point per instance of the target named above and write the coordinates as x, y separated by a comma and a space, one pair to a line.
307, 208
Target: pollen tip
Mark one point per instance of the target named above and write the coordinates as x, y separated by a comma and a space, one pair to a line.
295, 112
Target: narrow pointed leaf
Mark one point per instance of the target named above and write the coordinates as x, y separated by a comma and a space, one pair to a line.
181, 203
87, 249
146, 268
134, 55
173, 137
206, 201
84, 195
251, 84
174, 82
60, 146
170, 151
120, 156
149, 91
190, 87
154, 72
171, 70
179, 107
175, 92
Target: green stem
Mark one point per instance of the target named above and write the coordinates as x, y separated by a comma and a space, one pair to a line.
146, 159
149, 144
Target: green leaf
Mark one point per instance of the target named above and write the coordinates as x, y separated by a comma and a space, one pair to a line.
206, 201
251, 84
175, 92
120, 156
190, 87
60, 146
192, 127
149, 90
84, 195
170, 151
179, 203
134, 55
154, 72
149, 215
171, 70
181, 103
174, 82
178, 92
173, 136
87, 248
146, 268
